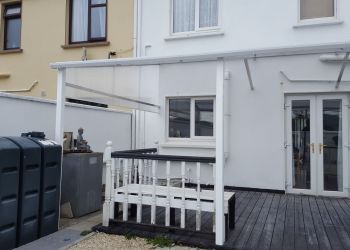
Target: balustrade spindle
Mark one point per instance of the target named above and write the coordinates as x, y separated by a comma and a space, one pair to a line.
118, 172
139, 204
130, 171
167, 208
135, 170
125, 203
153, 206
183, 206
198, 211
150, 173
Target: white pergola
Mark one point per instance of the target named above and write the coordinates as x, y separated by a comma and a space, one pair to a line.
138, 103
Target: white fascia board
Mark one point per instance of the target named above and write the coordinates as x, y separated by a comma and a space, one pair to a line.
238, 54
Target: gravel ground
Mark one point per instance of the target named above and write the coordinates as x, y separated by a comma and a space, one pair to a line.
112, 242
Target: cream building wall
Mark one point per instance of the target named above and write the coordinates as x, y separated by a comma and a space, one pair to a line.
44, 34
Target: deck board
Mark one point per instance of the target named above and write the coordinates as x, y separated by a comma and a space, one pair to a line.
272, 221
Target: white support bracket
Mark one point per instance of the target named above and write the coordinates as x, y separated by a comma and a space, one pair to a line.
246, 63
342, 69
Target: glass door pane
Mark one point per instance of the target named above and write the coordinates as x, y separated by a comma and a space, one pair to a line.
301, 144
332, 146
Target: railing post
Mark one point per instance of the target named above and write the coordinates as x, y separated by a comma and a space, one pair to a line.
111, 210
167, 208
198, 212
125, 186
139, 204
183, 206
108, 187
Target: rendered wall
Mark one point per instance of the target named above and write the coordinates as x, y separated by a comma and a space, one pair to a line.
44, 33
257, 156
22, 114
246, 24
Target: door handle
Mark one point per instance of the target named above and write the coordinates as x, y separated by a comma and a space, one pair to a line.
321, 148
312, 146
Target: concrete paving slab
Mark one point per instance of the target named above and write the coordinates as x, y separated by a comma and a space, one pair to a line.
54, 241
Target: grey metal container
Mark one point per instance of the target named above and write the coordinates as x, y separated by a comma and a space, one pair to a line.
82, 182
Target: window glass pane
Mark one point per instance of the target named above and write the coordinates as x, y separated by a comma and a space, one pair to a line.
332, 145
184, 15
316, 9
79, 21
98, 2
204, 113
11, 10
208, 13
98, 22
13, 33
301, 144
180, 118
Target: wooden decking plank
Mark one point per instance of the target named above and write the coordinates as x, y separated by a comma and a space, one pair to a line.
267, 233
240, 223
241, 205
289, 232
330, 226
344, 206
277, 237
344, 218
311, 237
254, 237
251, 221
299, 229
322, 234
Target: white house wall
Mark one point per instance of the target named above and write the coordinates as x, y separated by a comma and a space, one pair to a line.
257, 123
246, 24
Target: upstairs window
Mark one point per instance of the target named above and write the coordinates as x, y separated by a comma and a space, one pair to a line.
88, 21
194, 15
12, 26
312, 9
191, 118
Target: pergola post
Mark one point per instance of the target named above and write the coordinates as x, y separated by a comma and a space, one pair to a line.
60, 103
220, 155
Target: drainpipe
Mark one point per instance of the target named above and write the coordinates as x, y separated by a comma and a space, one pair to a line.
137, 27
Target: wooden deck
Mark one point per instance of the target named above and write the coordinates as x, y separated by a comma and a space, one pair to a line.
268, 221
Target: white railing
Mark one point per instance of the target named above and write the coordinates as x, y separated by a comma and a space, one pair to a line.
132, 178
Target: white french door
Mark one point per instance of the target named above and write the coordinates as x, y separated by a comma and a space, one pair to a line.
317, 144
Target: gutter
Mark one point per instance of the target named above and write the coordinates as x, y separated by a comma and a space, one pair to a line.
204, 57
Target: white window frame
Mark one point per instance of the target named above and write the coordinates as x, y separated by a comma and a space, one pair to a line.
319, 20
192, 119
197, 29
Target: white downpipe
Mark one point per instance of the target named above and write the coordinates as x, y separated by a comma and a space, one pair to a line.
134, 36
137, 27
220, 156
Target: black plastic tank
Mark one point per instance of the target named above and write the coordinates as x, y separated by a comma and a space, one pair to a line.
9, 178
51, 155
29, 190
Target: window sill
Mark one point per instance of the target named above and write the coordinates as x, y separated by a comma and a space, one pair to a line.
189, 144
81, 45
11, 51
194, 35
321, 22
